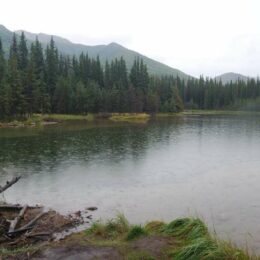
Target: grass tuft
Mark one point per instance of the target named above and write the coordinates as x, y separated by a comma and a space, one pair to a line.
194, 240
136, 232
189, 228
111, 229
208, 249
11, 252
154, 226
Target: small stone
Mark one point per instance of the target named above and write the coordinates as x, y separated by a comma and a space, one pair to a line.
78, 213
92, 208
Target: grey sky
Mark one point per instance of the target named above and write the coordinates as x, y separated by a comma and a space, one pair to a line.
206, 37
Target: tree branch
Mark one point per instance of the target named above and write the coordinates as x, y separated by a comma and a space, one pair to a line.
9, 184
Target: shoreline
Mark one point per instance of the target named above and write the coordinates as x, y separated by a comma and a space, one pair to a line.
34, 232
181, 239
38, 120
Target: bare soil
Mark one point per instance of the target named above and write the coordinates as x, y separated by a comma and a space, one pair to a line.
154, 245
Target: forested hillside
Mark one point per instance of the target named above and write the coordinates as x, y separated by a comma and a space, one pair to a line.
107, 52
38, 80
45, 81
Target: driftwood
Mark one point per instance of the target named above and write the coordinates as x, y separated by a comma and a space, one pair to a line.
9, 183
28, 226
40, 234
14, 222
7, 207
10, 207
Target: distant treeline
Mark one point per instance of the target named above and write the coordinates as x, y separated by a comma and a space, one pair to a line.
211, 94
35, 80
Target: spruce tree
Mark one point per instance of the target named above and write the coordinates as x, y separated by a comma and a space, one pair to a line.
17, 102
51, 70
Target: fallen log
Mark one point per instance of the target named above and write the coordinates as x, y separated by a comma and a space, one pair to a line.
10, 207
9, 183
28, 226
18, 231
14, 222
6, 207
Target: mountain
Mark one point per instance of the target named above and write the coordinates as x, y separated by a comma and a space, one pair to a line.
6, 37
105, 52
231, 76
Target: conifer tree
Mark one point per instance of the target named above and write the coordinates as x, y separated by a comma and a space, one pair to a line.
51, 70
17, 102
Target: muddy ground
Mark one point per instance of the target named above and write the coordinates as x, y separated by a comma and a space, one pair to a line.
76, 248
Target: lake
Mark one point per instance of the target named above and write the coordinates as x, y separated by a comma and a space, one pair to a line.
206, 166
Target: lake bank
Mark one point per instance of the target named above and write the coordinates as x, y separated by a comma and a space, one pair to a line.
181, 239
49, 119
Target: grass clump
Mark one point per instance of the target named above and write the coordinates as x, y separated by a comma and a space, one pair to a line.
63, 117
6, 252
190, 239
198, 244
136, 232
154, 227
187, 228
130, 117
207, 248
111, 229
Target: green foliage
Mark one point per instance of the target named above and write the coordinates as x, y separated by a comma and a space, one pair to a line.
37, 80
198, 244
189, 240
209, 249
187, 228
130, 117
136, 232
112, 229
201, 248
154, 226
107, 52
8, 252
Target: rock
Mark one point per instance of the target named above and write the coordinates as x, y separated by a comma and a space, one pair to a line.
92, 208
78, 213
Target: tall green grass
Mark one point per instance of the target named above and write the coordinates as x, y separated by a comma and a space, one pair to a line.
112, 229
136, 232
190, 236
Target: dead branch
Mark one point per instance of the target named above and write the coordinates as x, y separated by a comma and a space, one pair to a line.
9, 184
28, 226
20, 230
10, 207
14, 222
30, 235
6, 207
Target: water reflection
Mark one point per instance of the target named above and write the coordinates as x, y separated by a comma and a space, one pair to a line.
160, 170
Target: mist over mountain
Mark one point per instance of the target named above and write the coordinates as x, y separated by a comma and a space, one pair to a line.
106, 52
231, 76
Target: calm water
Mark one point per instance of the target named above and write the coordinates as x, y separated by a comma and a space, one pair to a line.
203, 166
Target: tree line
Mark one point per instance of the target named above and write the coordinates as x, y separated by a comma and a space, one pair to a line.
206, 93
37, 80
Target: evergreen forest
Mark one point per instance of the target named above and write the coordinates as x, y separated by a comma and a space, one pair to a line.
37, 80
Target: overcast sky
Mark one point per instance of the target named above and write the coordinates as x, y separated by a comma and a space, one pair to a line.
206, 37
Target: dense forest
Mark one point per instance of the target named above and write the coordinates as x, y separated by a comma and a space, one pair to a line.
34, 80
45, 81
212, 94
